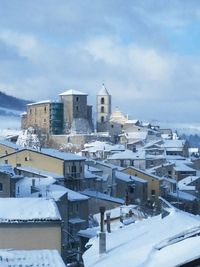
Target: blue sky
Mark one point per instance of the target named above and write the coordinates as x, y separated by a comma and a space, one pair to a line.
147, 52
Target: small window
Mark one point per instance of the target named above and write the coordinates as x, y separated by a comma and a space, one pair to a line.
112, 126
45, 109
76, 108
26, 159
44, 120
131, 190
122, 126
6, 161
30, 111
102, 119
102, 100
77, 99
102, 109
1, 187
153, 193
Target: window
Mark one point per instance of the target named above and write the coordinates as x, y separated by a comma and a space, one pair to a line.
131, 189
26, 159
77, 99
112, 126
45, 109
153, 193
6, 161
30, 111
76, 108
102, 100
74, 171
102, 118
1, 187
102, 109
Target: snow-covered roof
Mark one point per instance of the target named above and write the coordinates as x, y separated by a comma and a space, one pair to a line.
153, 242
30, 258
128, 154
96, 194
178, 144
128, 178
61, 155
28, 210
39, 172
23, 186
40, 102
10, 144
6, 168
188, 180
57, 191
181, 167
103, 91
144, 172
72, 92
102, 146
136, 135
182, 195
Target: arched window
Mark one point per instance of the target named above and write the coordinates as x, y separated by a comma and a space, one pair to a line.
102, 100
102, 109
102, 118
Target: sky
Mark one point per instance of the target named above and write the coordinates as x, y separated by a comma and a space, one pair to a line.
146, 52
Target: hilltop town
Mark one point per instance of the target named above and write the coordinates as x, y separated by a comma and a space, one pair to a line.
80, 190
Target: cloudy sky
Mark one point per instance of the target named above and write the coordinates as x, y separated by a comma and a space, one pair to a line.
147, 52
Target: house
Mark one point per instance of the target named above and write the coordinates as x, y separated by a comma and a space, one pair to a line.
139, 159
182, 170
45, 116
128, 158
166, 133
29, 223
7, 180
154, 182
150, 242
107, 180
25, 258
68, 165
131, 188
73, 206
100, 150
176, 147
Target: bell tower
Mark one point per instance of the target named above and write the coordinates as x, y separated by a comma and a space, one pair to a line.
103, 109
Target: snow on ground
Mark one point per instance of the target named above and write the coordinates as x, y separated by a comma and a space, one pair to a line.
135, 245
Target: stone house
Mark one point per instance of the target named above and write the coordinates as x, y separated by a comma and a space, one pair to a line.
131, 188
154, 182
45, 116
67, 165
29, 223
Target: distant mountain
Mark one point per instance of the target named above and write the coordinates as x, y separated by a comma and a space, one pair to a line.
11, 102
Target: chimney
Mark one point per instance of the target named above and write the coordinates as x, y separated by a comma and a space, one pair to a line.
102, 234
108, 222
